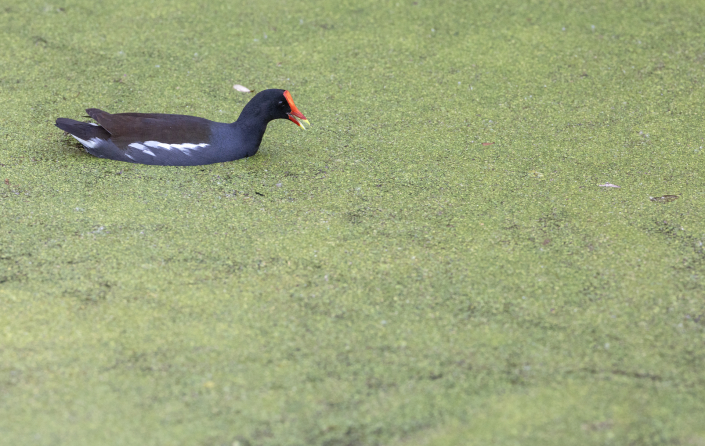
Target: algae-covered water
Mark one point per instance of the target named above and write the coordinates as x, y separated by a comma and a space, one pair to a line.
433, 263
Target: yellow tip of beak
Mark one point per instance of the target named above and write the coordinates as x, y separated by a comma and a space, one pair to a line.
301, 121
298, 121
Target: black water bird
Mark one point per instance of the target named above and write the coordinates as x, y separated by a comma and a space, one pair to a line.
179, 140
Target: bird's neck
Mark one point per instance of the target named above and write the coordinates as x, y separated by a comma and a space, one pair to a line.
252, 124
253, 113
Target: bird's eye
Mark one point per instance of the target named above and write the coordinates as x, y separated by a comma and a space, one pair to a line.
281, 103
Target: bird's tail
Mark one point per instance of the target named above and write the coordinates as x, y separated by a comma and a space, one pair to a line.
82, 130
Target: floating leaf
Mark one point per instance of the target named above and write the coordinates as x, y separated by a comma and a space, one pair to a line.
241, 89
664, 198
609, 185
487, 143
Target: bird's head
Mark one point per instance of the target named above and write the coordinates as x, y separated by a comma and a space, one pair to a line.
278, 104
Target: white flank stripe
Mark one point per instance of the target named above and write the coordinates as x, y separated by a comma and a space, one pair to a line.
93, 123
143, 148
184, 148
129, 157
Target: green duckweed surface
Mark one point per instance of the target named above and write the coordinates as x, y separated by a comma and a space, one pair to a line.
433, 263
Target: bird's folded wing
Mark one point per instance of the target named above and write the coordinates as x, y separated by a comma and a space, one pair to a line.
128, 128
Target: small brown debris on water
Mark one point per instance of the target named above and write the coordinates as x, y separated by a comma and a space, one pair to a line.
597, 425
664, 198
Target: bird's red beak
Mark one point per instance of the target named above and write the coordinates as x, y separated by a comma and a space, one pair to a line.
295, 116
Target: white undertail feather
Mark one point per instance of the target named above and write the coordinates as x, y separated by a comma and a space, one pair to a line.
91, 143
